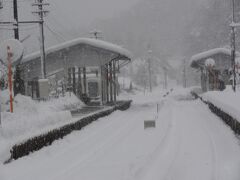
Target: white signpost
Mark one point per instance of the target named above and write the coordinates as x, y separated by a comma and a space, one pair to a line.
11, 52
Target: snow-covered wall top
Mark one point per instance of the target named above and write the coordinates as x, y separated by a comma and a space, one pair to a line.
88, 41
204, 55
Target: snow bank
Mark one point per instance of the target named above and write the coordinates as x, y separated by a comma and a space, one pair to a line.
2, 176
182, 94
32, 117
188, 143
226, 100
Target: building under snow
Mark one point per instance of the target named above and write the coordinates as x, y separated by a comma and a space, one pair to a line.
215, 66
87, 67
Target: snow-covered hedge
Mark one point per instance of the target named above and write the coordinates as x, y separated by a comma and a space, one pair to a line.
226, 117
38, 142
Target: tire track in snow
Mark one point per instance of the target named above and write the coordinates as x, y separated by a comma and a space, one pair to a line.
168, 163
213, 152
161, 151
125, 129
213, 148
101, 136
205, 136
73, 147
180, 136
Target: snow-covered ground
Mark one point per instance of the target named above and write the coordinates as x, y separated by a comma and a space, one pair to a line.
188, 143
227, 100
31, 118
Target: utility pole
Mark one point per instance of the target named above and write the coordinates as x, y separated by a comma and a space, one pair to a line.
1, 6
15, 15
233, 46
41, 14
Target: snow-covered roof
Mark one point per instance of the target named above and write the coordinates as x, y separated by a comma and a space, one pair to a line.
209, 53
88, 41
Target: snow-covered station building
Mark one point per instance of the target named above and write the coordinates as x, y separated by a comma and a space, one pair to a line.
87, 67
215, 66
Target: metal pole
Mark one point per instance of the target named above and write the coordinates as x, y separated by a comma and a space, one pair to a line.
84, 80
41, 12
233, 46
0, 108
15, 15
79, 82
149, 70
42, 48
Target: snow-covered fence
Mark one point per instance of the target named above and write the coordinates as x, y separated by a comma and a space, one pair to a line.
38, 142
227, 118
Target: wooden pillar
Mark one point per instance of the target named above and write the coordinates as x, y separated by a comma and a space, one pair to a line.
114, 82
118, 70
79, 83
65, 73
74, 80
103, 75
107, 83
69, 79
100, 85
84, 81
111, 81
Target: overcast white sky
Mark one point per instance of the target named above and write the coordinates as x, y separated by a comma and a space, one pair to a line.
65, 15
68, 18
85, 11
79, 11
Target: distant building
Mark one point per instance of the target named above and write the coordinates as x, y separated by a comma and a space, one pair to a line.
217, 75
85, 66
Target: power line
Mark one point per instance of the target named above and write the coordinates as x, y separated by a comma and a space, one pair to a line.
28, 28
41, 12
55, 33
61, 26
96, 33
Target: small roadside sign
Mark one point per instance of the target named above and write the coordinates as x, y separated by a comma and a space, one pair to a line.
149, 124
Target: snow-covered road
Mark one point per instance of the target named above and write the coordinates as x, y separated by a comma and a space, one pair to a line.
188, 143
